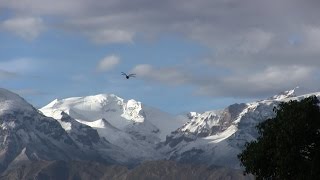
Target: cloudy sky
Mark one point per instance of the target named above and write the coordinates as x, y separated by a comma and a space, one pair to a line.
188, 55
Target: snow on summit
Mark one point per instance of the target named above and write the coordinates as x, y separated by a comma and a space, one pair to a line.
130, 131
28, 135
90, 108
217, 136
284, 95
10, 101
126, 115
128, 124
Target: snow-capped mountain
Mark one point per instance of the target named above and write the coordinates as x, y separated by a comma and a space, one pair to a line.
107, 128
27, 135
284, 95
216, 137
130, 125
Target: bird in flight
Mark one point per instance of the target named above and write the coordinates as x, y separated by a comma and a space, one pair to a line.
129, 75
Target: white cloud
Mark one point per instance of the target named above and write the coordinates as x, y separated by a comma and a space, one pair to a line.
262, 83
79, 78
26, 27
28, 92
7, 75
16, 68
277, 76
111, 36
167, 75
251, 40
108, 63
143, 69
19, 66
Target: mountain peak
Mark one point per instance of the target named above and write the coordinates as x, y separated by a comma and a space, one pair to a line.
284, 94
51, 104
133, 111
91, 108
10, 101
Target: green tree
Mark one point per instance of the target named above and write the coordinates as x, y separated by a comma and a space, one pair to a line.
288, 146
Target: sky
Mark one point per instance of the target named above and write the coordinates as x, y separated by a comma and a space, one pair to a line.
187, 55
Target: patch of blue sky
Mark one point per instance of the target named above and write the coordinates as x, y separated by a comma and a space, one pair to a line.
67, 67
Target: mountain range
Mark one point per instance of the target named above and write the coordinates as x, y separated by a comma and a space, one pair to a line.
111, 131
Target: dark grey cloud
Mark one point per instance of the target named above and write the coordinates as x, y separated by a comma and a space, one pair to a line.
222, 24
254, 41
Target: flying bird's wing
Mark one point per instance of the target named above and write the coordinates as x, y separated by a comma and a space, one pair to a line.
122, 73
132, 75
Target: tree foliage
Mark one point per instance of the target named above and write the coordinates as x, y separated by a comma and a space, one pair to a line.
288, 146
